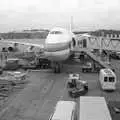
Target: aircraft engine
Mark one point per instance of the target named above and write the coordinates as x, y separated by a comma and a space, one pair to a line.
13, 47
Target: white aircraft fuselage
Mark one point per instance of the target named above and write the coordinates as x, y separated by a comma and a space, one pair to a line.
58, 44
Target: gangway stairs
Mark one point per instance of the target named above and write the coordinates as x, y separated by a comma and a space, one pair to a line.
92, 56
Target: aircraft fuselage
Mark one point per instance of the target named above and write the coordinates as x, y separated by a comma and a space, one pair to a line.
58, 44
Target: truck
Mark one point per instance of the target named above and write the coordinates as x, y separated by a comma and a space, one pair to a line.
93, 108
76, 86
11, 64
64, 110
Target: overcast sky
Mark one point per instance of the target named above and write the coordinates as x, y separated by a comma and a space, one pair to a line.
87, 14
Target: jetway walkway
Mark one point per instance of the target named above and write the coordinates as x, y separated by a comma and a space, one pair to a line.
92, 56
93, 42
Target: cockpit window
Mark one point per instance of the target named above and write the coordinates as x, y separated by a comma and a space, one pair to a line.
56, 32
52, 32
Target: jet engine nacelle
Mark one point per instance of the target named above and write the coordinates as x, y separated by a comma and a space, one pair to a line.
13, 47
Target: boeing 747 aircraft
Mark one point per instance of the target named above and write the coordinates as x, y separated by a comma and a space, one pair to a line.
58, 46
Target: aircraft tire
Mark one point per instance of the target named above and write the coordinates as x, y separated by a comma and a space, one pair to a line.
58, 68
55, 69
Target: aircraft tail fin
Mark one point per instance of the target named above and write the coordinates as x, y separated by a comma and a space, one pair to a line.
71, 23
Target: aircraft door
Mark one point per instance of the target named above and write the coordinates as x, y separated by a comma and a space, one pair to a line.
74, 42
84, 43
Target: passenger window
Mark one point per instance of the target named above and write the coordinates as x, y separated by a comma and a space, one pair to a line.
105, 79
111, 79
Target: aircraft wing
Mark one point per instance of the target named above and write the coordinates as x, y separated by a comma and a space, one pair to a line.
24, 43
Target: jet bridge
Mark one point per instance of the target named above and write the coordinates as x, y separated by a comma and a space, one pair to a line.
87, 42
93, 42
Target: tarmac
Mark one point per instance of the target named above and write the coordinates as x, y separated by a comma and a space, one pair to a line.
39, 97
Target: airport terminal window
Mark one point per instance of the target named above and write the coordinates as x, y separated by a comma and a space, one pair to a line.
111, 79
105, 79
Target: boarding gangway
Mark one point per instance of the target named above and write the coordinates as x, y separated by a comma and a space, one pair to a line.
93, 42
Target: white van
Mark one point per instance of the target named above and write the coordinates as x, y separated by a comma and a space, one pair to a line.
64, 110
107, 79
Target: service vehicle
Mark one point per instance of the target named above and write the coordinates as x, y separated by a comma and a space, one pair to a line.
107, 79
93, 108
18, 75
64, 110
115, 55
44, 63
87, 67
25, 64
76, 86
14, 77
11, 64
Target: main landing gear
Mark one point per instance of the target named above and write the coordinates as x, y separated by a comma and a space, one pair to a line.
57, 67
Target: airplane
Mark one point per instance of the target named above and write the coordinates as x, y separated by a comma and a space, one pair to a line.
58, 46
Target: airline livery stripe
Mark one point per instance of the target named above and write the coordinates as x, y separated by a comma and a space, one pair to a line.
57, 47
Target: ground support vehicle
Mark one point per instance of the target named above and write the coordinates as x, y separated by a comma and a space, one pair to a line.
87, 67
11, 64
76, 87
64, 110
93, 108
25, 64
107, 79
14, 77
43, 63
18, 75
